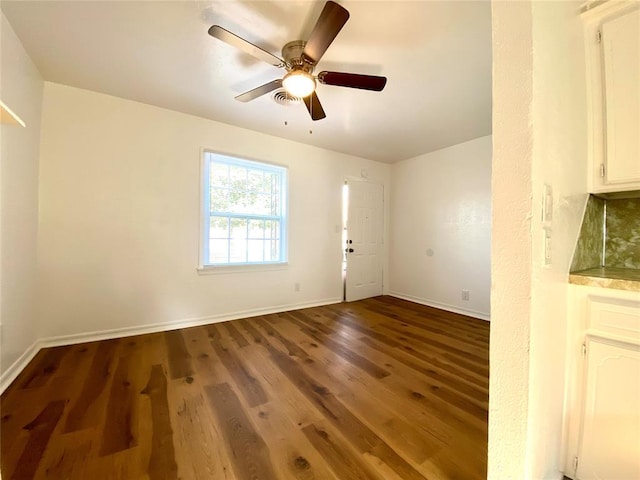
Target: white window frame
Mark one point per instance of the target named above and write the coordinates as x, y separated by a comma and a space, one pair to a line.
205, 213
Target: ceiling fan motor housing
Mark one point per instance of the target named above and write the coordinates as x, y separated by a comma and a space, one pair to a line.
292, 55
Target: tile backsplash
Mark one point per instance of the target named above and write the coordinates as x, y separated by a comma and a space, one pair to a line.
589, 251
610, 234
622, 242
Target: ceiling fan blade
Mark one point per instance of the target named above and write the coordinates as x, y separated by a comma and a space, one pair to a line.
353, 80
259, 91
226, 36
312, 102
331, 21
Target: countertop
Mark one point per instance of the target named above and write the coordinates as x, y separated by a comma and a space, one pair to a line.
608, 277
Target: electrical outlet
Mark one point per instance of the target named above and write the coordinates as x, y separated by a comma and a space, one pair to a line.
296, 287
465, 295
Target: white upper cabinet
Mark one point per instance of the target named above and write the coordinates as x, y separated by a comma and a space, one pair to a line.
613, 61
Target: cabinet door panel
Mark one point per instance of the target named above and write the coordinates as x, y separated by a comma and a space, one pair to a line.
610, 440
621, 55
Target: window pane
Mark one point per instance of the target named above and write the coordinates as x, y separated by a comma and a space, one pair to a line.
238, 228
238, 251
218, 251
218, 227
219, 175
220, 200
256, 178
262, 204
272, 229
238, 176
271, 250
256, 229
255, 251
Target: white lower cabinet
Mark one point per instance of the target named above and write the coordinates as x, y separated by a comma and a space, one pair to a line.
603, 408
610, 446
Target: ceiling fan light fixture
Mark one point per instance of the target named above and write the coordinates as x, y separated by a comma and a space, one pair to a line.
299, 83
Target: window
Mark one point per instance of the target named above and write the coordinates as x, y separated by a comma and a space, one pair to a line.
244, 212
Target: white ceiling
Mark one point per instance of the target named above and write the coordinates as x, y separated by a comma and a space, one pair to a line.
435, 54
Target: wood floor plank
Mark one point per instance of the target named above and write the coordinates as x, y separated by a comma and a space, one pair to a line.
405, 344
248, 384
373, 406
293, 348
292, 454
199, 447
471, 330
40, 430
335, 412
430, 314
437, 366
336, 453
179, 357
66, 457
376, 389
162, 462
424, 341
120, 424
342, 349
45, 365
97, 380
249, 452
236, 335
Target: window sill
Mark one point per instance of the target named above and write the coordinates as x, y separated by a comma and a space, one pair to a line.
218, 270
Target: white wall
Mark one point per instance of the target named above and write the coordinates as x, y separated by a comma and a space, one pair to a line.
120, 217
440, 228
510, 240
21, 89
559, 118
539, 137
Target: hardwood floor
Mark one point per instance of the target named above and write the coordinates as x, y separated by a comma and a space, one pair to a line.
376, 389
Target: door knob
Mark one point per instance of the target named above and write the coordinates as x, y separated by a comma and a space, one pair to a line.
349, 250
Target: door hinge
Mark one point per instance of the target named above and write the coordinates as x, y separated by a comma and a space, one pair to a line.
602, 170
584, 353
599, 36
575, 465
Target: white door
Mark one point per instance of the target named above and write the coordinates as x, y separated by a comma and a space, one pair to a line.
364, 241
611, 423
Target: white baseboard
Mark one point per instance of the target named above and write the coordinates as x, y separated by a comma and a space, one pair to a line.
14, 370
10, 374
442, 306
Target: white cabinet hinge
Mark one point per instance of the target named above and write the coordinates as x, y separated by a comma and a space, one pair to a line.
584, 353
575, 465
599, 36
602, 170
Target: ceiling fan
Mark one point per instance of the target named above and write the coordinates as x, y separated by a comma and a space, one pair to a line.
300, 59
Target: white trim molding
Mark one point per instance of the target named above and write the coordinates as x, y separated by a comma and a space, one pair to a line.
10, 374
443, 306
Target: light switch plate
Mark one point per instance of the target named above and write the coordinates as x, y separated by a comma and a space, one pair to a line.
547, 246
547, 204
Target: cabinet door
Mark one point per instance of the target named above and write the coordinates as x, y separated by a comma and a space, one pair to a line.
610, 439
621, 57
